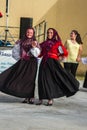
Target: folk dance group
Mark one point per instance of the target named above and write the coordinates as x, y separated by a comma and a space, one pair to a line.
54, 80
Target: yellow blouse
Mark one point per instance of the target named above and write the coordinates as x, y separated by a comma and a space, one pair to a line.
73, 49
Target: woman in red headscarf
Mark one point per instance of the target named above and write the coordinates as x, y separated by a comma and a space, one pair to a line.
53, 80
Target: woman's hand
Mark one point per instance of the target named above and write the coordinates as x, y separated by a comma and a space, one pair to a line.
34, 44
78, 59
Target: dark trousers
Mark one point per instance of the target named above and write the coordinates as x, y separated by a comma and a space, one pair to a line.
71, 67
85, 81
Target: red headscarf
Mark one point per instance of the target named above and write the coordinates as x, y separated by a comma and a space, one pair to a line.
55, 37
49, 42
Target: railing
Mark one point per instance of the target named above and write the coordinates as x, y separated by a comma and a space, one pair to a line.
40, 31
11, 34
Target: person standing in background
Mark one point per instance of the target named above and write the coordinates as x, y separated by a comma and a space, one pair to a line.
74, 47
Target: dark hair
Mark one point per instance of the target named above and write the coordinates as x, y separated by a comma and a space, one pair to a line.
78, 37
33, 38
56, 36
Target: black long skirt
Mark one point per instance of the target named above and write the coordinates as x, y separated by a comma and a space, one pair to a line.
19, 79
54, 81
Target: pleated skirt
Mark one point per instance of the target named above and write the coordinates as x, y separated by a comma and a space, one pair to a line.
19, 79
54, 81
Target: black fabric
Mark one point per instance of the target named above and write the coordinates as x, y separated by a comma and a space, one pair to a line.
54, 81
19, 79
85, 81
71, 67
24, 24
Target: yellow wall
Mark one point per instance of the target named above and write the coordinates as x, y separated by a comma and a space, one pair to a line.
25, 8
64, 15
35, 9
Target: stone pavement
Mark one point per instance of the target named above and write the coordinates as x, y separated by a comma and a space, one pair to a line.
65, 114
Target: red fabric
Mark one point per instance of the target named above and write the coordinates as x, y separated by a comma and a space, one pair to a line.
53, 52
1, 15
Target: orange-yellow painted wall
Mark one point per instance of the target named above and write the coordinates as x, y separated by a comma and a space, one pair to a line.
25, 8
64, 15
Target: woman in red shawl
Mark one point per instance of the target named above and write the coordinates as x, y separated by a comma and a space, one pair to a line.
53, 80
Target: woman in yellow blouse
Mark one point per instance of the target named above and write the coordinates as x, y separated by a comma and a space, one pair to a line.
74, 47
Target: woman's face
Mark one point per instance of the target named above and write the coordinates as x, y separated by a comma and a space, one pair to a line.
73, 35
29, 33
50, 34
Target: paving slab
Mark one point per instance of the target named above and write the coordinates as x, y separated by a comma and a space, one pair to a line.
65, 114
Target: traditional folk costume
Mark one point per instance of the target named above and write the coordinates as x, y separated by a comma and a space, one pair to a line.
19, 79
53, 80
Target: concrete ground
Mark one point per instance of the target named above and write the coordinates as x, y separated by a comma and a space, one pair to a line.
65, 114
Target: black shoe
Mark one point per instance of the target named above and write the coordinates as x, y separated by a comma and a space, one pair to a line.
39, 103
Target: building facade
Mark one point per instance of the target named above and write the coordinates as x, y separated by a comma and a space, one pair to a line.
63, 15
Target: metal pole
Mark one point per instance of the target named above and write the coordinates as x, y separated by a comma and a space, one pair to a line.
7, 13
7, 7
6, 31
